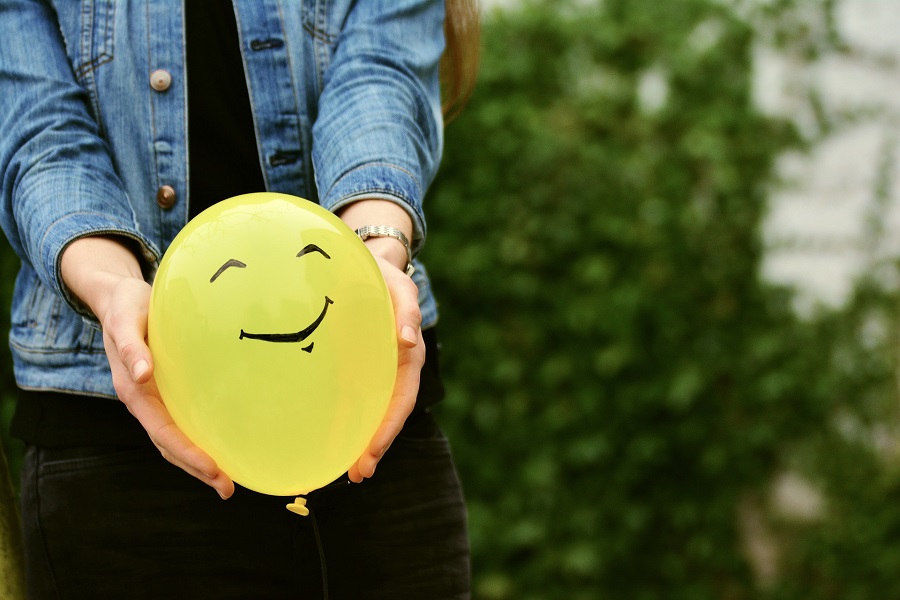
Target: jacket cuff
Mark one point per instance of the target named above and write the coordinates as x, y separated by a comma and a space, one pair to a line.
380, 181
75, 226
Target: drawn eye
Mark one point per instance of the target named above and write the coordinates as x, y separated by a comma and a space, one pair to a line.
231, 262
312, 248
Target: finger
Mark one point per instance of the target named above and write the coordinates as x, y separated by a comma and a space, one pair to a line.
131, 364
176, 447
143, 401
405, 300
403, 401
354, 475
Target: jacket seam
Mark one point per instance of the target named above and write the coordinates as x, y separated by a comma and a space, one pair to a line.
45, 388
153, 132
297, 104
378, 164
316, 33
321, 52
53, 351
93, 65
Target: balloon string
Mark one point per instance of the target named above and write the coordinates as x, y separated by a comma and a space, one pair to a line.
298, 506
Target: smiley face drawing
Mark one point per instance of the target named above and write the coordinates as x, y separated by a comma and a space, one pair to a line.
274, 343
281, 337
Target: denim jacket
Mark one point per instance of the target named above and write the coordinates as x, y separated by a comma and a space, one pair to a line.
93, 137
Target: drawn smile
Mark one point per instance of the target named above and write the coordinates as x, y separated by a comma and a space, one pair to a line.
284, 338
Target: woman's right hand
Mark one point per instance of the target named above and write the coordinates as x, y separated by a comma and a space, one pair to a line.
104, 274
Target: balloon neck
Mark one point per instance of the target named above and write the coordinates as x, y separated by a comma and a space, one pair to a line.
298, 506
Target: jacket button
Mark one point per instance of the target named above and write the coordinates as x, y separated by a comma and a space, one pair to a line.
160, 80
165, 196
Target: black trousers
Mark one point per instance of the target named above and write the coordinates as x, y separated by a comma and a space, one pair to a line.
105, 522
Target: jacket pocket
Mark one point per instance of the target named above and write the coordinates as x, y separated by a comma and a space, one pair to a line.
88, 28
322, 21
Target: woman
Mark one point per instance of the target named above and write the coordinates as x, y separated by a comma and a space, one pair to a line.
121, 121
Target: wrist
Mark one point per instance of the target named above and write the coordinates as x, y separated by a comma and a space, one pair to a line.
389, 243
93, 267
372, 213
389, 249
104, 286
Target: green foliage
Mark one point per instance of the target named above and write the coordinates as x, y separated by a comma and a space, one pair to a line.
620, 381
12, 448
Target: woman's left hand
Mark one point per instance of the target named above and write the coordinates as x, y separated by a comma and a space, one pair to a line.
391, 257
410, 358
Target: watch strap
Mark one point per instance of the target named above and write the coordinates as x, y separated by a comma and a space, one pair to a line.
368, 231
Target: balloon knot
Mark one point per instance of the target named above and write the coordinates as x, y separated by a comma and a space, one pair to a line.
298, 506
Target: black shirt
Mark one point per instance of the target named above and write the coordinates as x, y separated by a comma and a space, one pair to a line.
222, 155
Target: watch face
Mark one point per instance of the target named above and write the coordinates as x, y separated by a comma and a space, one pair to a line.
256, 318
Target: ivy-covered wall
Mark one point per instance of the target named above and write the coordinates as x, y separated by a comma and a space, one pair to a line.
635, 414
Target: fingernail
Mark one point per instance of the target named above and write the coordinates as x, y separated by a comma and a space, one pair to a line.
408, 334
221, 495
140, 367
382, 451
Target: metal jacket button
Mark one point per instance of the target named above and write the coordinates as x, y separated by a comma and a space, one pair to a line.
160, 80
165, 196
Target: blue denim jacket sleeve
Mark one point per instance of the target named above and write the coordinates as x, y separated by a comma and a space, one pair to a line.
379, 131
57, 182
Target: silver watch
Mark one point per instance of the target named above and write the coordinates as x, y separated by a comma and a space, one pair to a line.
368, 231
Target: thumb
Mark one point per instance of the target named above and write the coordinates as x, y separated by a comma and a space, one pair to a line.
135, 355
405, 301
126, 325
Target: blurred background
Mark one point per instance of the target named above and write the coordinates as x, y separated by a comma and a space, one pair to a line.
665, 243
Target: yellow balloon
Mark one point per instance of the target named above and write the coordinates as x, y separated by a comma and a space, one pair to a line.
273, 336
